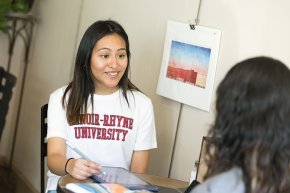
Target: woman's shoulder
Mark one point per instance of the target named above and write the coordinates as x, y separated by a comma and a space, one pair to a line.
230, 181
139, 96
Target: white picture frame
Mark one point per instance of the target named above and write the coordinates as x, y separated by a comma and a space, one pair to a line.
188, 64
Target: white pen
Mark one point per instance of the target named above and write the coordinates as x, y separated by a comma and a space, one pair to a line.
81, 154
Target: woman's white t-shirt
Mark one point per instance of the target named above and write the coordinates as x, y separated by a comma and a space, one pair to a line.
110, 134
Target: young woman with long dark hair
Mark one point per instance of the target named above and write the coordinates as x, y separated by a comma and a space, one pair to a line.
250, 138
101, 112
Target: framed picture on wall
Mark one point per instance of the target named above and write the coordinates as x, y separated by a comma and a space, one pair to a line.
188, 64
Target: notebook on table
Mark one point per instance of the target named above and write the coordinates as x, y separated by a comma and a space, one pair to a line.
117, 175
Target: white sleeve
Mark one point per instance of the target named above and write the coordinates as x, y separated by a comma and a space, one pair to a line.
56, 116
146, 134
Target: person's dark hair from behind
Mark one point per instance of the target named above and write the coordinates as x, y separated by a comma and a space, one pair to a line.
82, 85
252, 126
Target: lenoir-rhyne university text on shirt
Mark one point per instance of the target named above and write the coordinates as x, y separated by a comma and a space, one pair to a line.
110, 127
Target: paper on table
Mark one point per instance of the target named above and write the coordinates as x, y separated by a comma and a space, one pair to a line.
100, 188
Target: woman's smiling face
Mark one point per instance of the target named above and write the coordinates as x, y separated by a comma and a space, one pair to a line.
108, 63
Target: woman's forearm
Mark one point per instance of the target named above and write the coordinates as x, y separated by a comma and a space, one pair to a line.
139, 162
56, 164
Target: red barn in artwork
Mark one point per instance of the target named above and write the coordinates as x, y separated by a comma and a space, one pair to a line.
188, 76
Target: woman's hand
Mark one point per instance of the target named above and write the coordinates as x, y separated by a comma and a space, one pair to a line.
59, 164
81, 169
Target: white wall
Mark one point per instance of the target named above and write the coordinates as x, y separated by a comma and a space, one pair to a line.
249, 27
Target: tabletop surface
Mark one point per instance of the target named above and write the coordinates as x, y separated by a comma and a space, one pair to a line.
152, 179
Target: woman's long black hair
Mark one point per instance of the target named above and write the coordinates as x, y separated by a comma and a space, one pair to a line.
252, 125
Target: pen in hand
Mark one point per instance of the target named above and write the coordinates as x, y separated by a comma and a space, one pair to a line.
81, 154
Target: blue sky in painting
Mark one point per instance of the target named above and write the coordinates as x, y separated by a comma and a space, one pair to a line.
189, 55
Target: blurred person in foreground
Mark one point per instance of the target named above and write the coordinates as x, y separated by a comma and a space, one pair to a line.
250, 138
